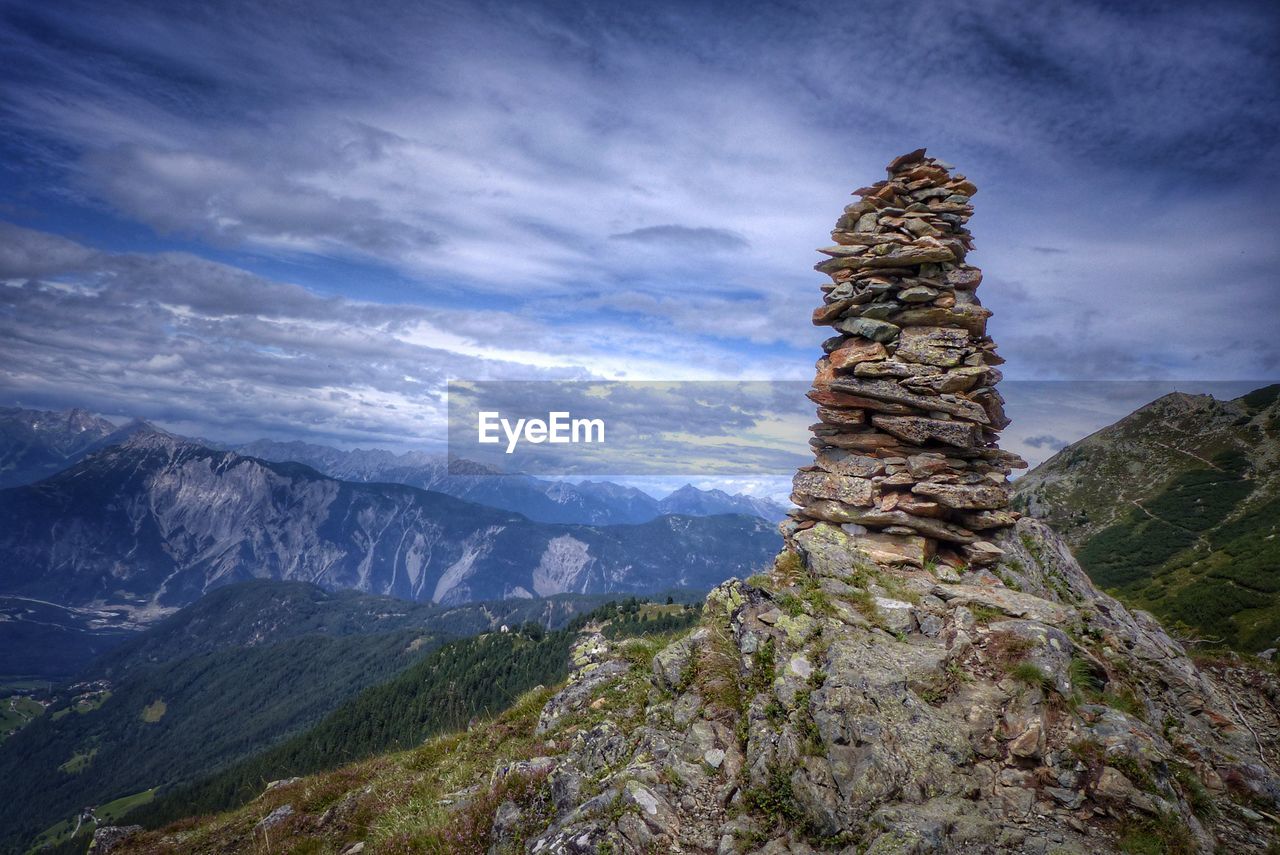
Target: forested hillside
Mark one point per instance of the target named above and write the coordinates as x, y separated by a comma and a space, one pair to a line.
1176, 508
230, 676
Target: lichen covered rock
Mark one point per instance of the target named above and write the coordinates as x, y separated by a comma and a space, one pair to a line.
1018, 709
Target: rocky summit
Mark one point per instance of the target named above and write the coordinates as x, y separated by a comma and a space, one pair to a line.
905, 453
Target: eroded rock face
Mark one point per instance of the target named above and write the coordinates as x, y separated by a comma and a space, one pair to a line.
844, 705
909, 382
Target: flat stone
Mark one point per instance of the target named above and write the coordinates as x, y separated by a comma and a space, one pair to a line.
843, 250
893, 368
869, 328
826, 485
970, 317
893, 548
965, 496
856, 351
832, 416
914, 505
834, 511
982, 552
827, 314
917, 294
841, 462
885, 390
937, 337
904, 160
920, 431
825, 397
979, 520
909, 255
924, 465
960, 379
871, 440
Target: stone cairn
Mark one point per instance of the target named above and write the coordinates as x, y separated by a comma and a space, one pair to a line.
905, 454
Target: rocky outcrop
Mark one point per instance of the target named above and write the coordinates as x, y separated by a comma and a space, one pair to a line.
108, 837
905, 446
840, 705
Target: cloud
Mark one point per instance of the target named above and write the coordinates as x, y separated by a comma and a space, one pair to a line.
431, 190
697, 239
1046, 440
177, 338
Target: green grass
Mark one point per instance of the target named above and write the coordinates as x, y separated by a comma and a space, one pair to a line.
78, 762
16, 712
154, 711
107, 814
1163, 835
1029, 674
114, 810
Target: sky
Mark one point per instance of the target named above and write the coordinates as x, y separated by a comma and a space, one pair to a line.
300, 220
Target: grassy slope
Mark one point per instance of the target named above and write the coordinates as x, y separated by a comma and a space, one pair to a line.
1176, 508
400, 802
444, 689
462, 680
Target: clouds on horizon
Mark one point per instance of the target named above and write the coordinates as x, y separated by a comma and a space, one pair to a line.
448, 189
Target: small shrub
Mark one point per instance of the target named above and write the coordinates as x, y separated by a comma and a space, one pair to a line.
1030, 674
791, 604
1006, 649
1083, 676
789, 567
1163, 835
984, 614
1195, 792
775, 799
765, 668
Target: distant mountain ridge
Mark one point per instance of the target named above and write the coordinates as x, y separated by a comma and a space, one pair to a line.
1176, 507
594, 502
35, 444
158, 521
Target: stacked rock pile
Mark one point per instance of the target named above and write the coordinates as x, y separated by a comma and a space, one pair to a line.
905, 447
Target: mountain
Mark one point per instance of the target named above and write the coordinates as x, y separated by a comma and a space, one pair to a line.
35, 444
244, 668
694, 502
1176, 509
831, 704
587, 502
157, 521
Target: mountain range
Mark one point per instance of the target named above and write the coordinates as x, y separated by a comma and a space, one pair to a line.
35, 444
148, 524
591, 502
